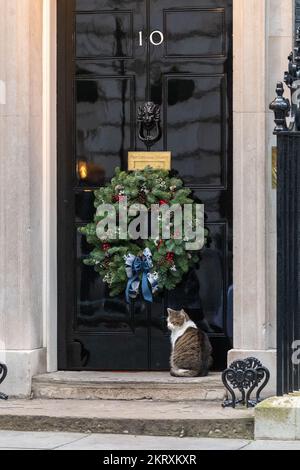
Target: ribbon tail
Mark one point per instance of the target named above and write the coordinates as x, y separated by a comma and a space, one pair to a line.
153, 281
147, 294
132, 288
127, 292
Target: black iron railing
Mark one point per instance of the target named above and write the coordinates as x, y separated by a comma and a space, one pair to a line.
3, 374
297, 13
288, 226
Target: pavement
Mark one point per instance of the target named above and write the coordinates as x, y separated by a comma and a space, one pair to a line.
11, 440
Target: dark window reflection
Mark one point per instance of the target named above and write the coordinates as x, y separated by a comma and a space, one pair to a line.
95, 308
104, 35
196, 126
205, 292
103, 128
85, 209
215, 203
196, 33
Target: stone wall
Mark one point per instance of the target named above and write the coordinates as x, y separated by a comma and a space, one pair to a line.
21, 259
262, 40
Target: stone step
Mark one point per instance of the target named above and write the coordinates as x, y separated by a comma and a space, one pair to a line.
126, 386
153, 418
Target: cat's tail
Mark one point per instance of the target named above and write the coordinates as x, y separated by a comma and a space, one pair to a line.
184, 372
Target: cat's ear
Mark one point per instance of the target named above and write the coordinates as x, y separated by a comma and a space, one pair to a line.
170, 311
185, 315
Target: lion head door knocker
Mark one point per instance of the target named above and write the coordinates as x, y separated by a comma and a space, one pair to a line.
245, 376
148, 118
3, 374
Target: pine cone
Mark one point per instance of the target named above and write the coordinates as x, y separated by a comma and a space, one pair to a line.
105, 263
142, 197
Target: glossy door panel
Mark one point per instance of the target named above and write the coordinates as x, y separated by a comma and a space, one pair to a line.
195, 127
104, 127
106, 70
194, 32
95, 308
190, 78
84, 204
104, 35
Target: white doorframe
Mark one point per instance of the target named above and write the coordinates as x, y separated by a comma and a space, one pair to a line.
257, 25
49, 184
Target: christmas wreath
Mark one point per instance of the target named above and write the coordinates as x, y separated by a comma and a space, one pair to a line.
135, 266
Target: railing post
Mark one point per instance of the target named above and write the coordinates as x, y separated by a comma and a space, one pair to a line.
288, 224
3, 374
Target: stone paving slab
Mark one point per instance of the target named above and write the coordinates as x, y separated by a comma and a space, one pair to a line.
65, 441
273, 445
125, 377
109, 442
190, 419
116, 409
38, 440
126, 386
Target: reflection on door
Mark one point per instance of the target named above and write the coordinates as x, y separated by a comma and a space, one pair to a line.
107, 69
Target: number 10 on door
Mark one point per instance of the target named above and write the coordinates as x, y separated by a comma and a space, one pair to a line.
156, 38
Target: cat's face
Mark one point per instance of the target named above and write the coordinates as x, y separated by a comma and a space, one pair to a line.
176, 318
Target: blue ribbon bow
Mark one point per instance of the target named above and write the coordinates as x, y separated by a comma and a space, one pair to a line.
136, 266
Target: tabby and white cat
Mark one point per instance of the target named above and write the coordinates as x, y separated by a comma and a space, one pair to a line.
191, 348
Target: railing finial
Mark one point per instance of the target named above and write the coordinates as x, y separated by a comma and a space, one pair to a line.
292, 80
281, 107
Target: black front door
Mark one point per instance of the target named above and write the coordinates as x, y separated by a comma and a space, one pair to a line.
113, 55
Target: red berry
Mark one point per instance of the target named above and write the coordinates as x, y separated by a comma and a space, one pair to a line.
106, 246
170, 257
160, 243
162, 202
118, 198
